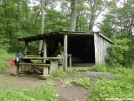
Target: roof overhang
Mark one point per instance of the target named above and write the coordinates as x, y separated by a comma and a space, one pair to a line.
53, 35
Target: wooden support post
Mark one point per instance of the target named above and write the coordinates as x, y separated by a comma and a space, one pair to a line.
44, 50
54, 65
24, 68
26, 46
96, 49
45, 71
17, 69
65, 53
70, 60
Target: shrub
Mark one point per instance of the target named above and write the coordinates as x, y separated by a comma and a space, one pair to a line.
5, 59
118, 53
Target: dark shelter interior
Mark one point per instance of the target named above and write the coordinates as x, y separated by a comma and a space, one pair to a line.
80, 46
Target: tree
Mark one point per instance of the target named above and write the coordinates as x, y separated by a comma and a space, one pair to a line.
42, 22
121, 18
73, 15
120, 21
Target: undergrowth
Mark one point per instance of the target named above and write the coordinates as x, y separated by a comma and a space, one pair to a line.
5, 59
63, 74
59, 73
121, 87
82, 81
45, 93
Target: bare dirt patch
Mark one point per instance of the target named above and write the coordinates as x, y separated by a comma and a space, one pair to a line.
65, 90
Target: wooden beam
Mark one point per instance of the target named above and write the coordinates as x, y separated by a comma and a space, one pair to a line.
65, 53
75, 33
33, 64
40, 58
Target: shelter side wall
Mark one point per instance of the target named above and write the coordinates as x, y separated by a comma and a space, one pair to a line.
101, 46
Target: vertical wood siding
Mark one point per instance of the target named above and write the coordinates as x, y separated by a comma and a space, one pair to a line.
101, 45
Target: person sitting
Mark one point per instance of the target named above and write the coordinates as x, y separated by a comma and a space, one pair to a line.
59, 51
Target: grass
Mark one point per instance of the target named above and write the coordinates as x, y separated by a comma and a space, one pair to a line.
61, 74
5, 59
45, 93
82, 81
120, 87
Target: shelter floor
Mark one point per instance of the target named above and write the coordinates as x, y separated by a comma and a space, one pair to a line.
83, 64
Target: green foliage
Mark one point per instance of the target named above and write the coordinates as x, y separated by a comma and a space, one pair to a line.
106, 27
72, 71
63, 75
117, 53
82, 81
99, 68
4, 42
117, 23
45, 93
55, 21
121, 86
5, 59
118, 69
59, 73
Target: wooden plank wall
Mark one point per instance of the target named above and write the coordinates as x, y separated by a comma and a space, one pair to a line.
101, 45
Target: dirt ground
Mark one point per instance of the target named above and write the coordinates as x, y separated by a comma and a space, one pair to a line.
65, 90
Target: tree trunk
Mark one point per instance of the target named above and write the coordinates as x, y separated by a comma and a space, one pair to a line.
17, 15
35, 21
42, 23
92, 18
73, 15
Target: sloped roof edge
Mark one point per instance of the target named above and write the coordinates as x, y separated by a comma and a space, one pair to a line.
106, 38
46, 35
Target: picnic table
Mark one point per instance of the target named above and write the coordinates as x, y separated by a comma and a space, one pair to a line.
47, 68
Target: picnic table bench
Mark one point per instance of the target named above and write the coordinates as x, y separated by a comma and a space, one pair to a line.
47, 68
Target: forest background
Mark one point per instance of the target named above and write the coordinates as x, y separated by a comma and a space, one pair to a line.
116, 21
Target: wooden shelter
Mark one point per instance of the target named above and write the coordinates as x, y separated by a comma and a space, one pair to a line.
85, 47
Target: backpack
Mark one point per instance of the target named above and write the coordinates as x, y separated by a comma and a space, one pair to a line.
18, 57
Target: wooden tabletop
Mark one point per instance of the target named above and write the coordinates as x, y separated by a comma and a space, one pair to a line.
40, 58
